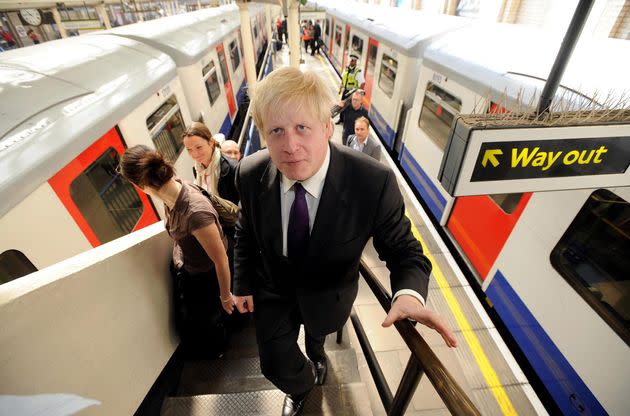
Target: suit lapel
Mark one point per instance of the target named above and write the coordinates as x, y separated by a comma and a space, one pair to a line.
269, 209
333, 199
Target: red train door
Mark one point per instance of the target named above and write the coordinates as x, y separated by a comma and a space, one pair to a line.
345, 48
370, 64
481, 224
229, 93
103, 204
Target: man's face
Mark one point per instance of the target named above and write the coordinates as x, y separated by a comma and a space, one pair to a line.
361, 131
353, 62
230, 149
297, 141
356, 101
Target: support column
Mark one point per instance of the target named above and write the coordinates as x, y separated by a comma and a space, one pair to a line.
60, 27
102, 13
248, 44
293, 27
450, 6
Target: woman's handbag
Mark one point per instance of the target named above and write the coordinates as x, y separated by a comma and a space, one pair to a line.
227, 210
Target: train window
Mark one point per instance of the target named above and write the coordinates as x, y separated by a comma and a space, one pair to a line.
14, 264
357, 46
507, 202
371, 58
387, 78
166, 126
110, 205
327, 27
338, 35
592, 256
212, 82
223, 66
235, 55
439, 108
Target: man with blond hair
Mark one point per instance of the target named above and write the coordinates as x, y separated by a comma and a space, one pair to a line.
309, 208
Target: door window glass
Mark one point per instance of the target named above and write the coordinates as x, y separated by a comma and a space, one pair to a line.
110, 205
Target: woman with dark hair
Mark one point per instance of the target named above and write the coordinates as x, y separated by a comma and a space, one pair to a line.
213, 171
191, 220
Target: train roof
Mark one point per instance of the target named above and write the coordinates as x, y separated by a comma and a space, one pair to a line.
85, 85
513, 58
185, 37
406, 30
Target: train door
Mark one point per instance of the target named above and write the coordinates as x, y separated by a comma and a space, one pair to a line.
370, 65
331, 37
103, 204
229, 93
346, 45
481, 224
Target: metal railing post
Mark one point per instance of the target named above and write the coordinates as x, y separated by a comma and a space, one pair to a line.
407, 387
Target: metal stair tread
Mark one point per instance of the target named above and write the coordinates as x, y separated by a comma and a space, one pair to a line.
243, 375
341, 400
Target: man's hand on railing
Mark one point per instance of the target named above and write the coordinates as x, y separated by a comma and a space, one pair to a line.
409, 307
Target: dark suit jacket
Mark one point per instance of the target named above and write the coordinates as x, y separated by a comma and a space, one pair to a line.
371, 148
360, 199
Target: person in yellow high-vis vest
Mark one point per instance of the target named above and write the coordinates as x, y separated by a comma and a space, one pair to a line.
351, 80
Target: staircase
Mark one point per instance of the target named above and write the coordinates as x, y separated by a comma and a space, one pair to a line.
234, 385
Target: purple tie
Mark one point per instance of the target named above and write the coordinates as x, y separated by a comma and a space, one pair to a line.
298, 232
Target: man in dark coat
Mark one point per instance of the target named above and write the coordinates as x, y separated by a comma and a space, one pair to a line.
309, 208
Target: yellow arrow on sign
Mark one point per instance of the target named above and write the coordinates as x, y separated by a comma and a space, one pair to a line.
491, 155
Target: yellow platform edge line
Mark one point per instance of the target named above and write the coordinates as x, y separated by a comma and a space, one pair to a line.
494, 384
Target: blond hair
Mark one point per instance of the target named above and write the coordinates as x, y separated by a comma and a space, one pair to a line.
363, 120
291, 87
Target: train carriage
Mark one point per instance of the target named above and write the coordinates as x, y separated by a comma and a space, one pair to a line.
528, 250
389, 46
61, 193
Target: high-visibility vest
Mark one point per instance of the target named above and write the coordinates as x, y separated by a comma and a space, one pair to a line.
349, 79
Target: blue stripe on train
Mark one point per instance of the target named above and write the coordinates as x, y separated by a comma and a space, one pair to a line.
226, 126
387, 134
240, 95
423, 184
566, 387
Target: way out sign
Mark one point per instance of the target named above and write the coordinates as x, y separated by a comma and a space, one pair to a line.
524, 159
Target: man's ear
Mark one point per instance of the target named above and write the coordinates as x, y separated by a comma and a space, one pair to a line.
329, 128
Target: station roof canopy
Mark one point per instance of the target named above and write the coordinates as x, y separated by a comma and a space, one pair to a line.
64, 95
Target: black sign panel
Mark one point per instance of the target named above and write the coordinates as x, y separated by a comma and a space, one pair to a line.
551, 158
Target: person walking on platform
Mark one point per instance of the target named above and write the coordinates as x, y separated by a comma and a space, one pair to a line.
199, 252
350, 113
308, 208
361, 141
351, 79
317, 38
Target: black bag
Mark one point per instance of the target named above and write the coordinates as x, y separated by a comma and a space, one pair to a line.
199, 316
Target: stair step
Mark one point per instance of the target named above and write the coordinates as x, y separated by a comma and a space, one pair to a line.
339, 400
243, 343
243, 375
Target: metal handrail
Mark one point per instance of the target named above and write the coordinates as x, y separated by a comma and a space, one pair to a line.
248, 114
422, 360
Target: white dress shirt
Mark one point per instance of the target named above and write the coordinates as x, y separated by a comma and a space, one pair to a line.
357, 145
314, 186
